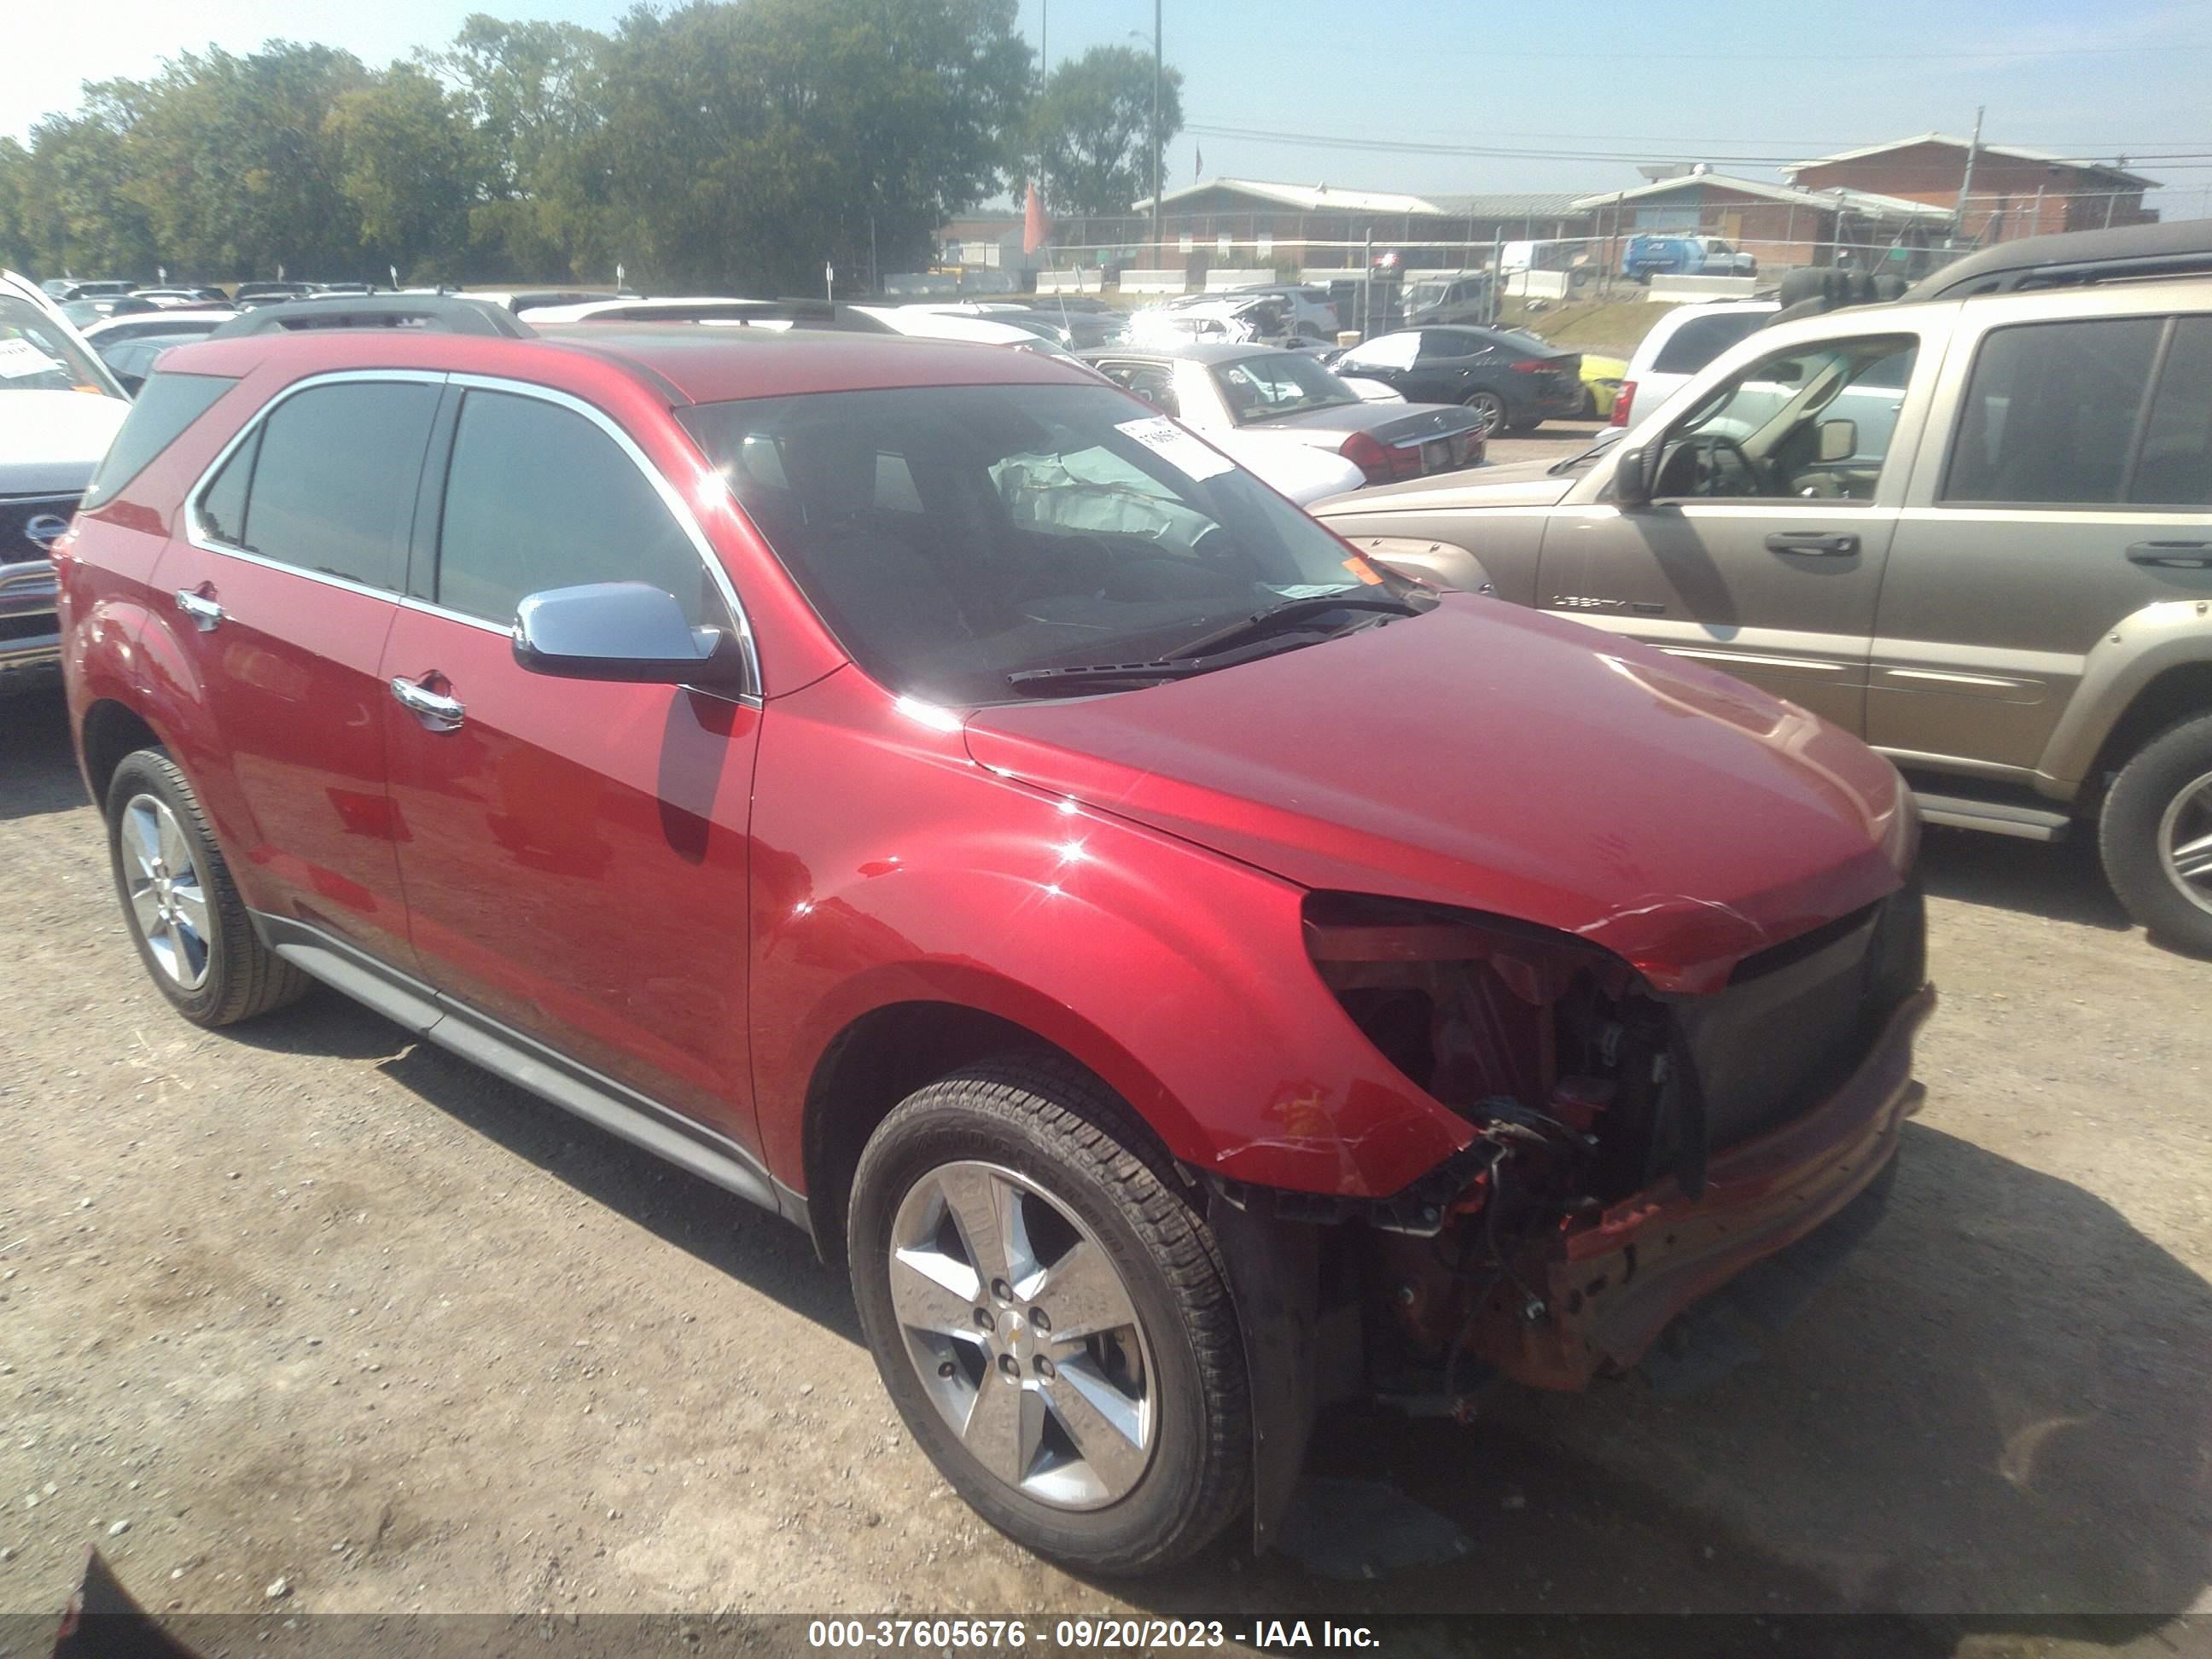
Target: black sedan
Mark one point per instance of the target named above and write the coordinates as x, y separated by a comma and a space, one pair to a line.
1506, 379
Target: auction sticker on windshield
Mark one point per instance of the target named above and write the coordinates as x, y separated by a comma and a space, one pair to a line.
20, 358
1176, 448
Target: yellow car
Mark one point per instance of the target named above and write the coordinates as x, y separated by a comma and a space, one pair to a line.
1601, 379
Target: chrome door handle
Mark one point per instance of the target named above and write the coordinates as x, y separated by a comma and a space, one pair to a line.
204, 611
2172, 556
437, 713
1823, 545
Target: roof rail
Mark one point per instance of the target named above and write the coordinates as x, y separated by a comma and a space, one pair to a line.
2071, 259
440, 313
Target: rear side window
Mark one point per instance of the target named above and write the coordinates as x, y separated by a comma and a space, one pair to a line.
165, 406
2174, 467
2051, 412
538, 497
223, 503
1439, 343
333, 488
1701, 339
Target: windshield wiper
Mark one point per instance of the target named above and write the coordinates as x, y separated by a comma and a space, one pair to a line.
1265, 622
1252, 637
1108, 672
1612, 435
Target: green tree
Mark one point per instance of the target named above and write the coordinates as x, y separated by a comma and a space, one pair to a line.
1088, 135
15, 249
79, 212
409, 169
235, 160
744, 145
531, 89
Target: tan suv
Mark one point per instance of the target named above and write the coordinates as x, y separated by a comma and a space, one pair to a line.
1973, 526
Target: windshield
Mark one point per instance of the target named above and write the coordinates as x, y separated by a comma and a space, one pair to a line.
1277, 383
36, 354
953, 535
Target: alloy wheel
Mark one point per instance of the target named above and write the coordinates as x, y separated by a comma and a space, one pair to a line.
169, 905
1024, 1334
2184, 841
1489, 409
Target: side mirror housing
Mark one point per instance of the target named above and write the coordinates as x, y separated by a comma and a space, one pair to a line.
1839, 439
1631, 484
628, 631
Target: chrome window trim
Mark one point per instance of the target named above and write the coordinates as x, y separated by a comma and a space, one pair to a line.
680, 509
425, 608
196, 534
196, 530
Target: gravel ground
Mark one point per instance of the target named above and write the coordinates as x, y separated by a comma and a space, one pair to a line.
308, 1301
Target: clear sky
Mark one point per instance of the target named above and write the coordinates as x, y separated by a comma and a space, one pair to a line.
1583, 89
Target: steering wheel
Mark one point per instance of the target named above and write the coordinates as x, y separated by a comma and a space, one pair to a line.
1710, 448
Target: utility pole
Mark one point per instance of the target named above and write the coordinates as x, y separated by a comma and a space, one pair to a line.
1044, 40
1156, 254
1966, 184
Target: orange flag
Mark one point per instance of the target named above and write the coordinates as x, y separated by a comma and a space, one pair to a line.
1036, 225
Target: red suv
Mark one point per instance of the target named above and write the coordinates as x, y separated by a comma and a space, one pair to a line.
1188, 972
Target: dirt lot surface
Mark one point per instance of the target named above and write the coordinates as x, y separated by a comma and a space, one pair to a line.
308, 1301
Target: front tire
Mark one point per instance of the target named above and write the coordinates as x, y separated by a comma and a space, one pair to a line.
2155, 834
185, 916
1052, 1317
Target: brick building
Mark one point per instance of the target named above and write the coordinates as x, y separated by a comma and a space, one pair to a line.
1325, 225
1780, 224
2016, 192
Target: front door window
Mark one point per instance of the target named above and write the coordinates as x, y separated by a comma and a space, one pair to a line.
1811, 423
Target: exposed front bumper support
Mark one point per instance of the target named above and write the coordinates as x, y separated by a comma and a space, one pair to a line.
1612, 1285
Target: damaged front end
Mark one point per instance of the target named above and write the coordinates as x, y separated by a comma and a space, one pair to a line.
1631, 1151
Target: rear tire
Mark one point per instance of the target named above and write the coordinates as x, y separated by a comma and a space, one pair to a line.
1489, 409
185, 916
2155, 834
1128, 1450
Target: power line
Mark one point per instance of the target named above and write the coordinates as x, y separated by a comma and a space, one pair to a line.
1817, 54
1426, 147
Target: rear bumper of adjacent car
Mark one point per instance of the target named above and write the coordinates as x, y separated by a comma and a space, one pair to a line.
1612, 1286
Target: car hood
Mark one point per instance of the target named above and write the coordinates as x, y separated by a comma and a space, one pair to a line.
1395, 423
1493, 759
1512, 483
50, 441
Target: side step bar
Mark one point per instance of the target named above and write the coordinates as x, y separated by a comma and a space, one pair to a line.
1964, 812
615, 1106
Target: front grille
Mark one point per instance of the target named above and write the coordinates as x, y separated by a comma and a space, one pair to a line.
35, 626
1795, 1021
18, 512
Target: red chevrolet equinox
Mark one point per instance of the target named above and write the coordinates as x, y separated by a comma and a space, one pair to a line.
1185, 973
